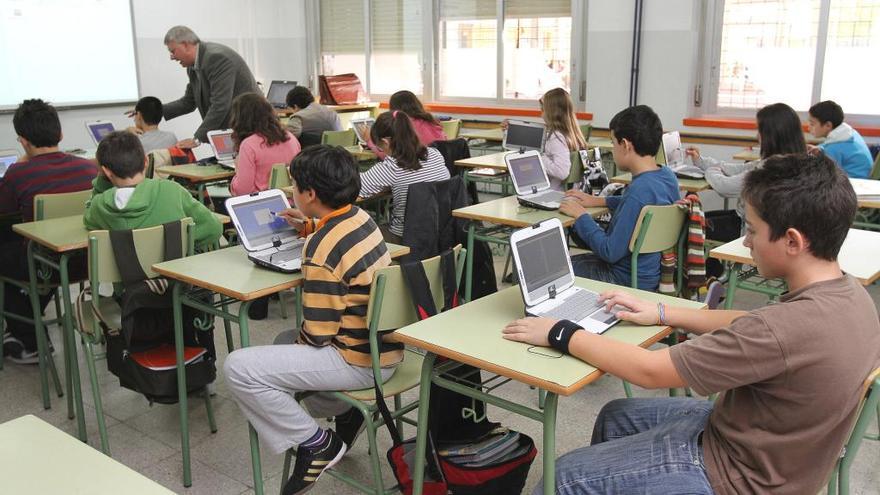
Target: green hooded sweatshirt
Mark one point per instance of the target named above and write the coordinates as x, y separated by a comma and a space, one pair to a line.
153, 202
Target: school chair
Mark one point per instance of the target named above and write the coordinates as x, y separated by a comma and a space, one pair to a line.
390, 308
576, 172
46, 207
339, 138
869, 218
839, 481
586, 130
451, 128
155, 159
279, 177
875, 170
150, 247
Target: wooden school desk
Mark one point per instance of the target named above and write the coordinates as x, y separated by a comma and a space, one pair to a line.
471, 334
689, 185
505, 214
858, 257
229, 273
198, 175
36, 457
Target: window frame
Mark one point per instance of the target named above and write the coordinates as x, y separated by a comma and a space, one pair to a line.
705, 98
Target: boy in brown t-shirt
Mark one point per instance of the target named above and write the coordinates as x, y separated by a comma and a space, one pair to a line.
789, 375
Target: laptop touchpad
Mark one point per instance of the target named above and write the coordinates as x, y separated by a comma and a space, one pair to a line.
606, 317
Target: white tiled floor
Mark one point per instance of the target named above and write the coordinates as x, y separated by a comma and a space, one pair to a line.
147, 438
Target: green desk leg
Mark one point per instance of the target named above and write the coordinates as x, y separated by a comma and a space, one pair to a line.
73, 379
731, 285
550, 442
422, 428
45, 361
255, 440
469, 262
181, 383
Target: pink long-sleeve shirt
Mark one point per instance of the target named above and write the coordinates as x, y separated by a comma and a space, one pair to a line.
426, 131
253, 166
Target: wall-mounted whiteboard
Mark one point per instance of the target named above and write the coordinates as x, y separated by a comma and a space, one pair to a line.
67, 52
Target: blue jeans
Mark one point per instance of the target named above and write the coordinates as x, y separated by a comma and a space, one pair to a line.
640, 446
594, 268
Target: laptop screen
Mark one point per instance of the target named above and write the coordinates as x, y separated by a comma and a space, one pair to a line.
362, 128
223, 145
100, 129
672, 149
6, 161
259, 223
527, 137
278, 90
543, 259
527, 171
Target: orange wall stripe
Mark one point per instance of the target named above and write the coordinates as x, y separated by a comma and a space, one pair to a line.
473, 110
752, 125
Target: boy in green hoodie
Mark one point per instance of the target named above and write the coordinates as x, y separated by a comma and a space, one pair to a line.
122, 198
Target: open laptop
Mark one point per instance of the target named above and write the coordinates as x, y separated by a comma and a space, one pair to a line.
99, 129
530, 181
546, 279
676, 158
224, 148
523, 136
7, 158
362, 128
269, 240
277, 94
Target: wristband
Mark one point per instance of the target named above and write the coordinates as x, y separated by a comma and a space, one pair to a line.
560, 335
661, 314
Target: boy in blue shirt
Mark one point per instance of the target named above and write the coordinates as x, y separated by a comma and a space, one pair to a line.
636, 133
843, 144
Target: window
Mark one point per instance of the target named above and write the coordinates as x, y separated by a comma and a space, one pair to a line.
396, 50
536, 42
342, 38
797, 52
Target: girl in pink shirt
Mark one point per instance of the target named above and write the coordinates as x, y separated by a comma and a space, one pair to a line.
427, 128
260, 141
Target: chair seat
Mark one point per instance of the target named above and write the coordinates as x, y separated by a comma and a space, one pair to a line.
109, 309
407, 376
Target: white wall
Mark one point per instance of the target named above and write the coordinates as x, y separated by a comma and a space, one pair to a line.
269, 35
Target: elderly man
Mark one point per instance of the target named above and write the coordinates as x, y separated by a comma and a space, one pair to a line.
216, 76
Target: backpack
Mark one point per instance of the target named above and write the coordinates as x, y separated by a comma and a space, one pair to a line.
595, 178
141, 353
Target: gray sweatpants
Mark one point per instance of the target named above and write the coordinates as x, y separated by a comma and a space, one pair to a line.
264, 378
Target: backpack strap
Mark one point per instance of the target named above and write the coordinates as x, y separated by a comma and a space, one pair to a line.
450, 288
419, 288
173, 239
127, 261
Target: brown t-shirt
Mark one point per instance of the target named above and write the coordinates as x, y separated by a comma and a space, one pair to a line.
791, 376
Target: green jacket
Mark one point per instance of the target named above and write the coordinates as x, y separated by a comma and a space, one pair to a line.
154, 202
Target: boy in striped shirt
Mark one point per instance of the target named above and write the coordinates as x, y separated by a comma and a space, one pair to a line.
45, 170
343, 250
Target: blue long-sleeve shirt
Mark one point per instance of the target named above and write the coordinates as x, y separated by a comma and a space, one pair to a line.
657, 187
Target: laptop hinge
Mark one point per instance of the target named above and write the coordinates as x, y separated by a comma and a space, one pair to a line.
552, 291
276, 242
522, 149
534, 189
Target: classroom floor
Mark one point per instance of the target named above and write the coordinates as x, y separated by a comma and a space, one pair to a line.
147, 439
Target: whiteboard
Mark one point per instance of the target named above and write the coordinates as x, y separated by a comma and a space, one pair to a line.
67, 52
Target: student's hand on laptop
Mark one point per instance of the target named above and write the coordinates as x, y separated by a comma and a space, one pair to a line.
640, 311
576, 193
294, 218
693, 152
571, 207
529, 330
187, 143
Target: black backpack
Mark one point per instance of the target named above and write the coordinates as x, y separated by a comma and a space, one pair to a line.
139, 352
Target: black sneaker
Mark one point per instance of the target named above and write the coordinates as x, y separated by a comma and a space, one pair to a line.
15, 351
259, 309
311, 463
349, 426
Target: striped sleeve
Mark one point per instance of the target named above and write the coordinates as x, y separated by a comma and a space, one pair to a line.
324, 301
379, 178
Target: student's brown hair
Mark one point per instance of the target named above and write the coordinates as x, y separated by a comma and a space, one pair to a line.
780, 129
122, 153
408, 103
559, 116
253, 114
404, 146
810, 194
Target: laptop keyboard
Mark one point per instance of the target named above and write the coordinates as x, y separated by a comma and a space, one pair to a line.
547, 197
576, 307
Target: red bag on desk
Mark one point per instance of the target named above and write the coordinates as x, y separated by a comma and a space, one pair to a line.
342, 89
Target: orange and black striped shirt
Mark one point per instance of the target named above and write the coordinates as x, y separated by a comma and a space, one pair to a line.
339, 260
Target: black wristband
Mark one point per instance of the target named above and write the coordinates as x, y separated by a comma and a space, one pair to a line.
560, 335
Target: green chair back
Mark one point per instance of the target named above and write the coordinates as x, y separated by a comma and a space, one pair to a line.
149, 244
280, 176
875, 170
586, 130
451, 128
839, 482
660, 157
49, 206
657, 229
339, 138
576, 173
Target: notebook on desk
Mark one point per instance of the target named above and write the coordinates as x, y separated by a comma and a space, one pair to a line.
546, 279
269, 240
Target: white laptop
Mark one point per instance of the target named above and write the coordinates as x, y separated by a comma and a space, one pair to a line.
546, 279
362, 128
224, 148
523, 136
269, 240
676, 158
98, 129
7, 158
277, 94
530, 181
